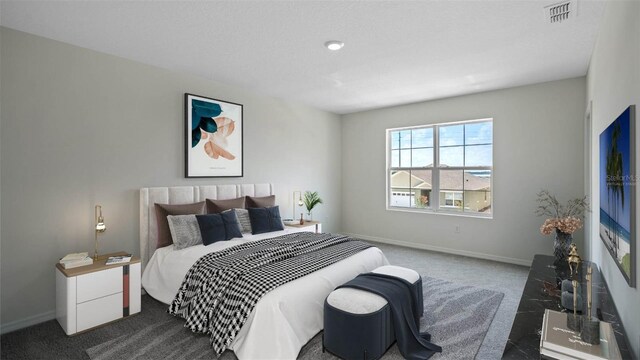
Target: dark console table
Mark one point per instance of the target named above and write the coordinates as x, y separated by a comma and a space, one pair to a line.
524, 339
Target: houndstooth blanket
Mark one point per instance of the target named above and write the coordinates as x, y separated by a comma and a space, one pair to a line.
222, 288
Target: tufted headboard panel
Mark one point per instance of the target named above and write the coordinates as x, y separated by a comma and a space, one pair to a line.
184, 195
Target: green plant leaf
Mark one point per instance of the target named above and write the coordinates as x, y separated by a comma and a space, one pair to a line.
310, 200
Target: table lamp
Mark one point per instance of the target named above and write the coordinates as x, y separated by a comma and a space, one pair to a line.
100, 228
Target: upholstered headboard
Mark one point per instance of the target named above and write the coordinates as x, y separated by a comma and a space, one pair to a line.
184, 195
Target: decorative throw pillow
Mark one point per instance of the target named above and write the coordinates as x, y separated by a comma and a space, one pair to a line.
218, 227
218, 206
164, 210
266, 219
260, 202
243, 219
231, 224
185, 231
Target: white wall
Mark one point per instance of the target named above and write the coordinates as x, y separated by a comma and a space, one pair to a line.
538, 143
613, 83
80, 127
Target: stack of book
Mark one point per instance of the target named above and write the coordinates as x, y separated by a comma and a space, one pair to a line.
75, 260
557, 341
122, 259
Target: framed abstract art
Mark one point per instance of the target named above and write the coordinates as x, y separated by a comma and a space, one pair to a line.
618, 182
213, 138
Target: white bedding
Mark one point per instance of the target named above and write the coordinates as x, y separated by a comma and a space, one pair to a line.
285, 318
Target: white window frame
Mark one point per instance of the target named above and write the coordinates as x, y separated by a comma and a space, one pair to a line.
434, 201
454, 193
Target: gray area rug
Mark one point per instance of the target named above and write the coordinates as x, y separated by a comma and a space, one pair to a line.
457, 316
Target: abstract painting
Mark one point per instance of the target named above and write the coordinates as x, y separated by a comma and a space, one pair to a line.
213, 137
617, 192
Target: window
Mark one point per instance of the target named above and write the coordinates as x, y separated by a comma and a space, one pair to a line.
441, 167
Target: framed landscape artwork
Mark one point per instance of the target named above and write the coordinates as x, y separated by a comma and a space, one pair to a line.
213, 137
618, 192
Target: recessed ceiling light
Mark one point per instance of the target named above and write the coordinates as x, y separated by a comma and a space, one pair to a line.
334, 45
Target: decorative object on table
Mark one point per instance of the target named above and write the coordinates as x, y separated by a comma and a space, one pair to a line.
573, 321
590, 325
567, 286
573, 259
310, 200
566, 298
567, 301
100, 228
121, 259
298, 204
558, 342
550, 289
564, 219
618, 194
301, 219
213, 137
75, 260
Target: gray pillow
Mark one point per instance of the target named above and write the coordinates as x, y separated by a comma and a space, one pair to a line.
163, 210
243, 219
185, 231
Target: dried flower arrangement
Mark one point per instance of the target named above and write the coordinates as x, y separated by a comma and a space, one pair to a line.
564, 218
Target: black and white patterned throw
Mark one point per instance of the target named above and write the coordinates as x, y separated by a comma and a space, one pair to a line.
221, 289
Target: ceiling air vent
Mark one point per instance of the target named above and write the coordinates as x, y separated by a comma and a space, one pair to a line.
559, 12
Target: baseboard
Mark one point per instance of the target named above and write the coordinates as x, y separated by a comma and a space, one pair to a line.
28, 321
472, 254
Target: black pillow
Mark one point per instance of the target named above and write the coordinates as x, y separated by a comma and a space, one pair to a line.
218, 227
231, 224
265, 220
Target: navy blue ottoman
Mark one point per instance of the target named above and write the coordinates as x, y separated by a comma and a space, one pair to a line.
358, 324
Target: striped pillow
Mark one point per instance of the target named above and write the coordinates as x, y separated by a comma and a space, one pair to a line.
243, 219
185, 231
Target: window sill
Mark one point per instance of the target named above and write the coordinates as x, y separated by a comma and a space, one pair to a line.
440, 212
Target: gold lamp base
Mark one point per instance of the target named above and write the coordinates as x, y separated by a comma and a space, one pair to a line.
100, 228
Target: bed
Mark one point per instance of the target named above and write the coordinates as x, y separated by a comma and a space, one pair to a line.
285, 318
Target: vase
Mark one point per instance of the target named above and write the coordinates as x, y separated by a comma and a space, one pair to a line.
309, 216
561, 248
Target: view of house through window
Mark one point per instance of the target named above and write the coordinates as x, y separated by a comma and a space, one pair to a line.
442, 167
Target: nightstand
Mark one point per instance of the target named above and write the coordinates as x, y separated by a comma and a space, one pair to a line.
92, 295
312, 226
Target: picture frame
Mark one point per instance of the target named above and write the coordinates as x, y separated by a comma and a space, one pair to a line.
618, 181
213, 137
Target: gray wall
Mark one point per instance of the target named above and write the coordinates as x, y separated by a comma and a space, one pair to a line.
80, 128
538, 143
613, 83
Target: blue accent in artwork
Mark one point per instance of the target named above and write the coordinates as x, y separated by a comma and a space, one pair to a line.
607, 221
200, 109
208, 124
202, 114
608, 203
196, 135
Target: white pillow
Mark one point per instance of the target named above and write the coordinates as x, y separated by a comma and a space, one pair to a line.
184, 231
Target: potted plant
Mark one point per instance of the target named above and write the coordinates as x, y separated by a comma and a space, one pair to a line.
564, 219
310, 200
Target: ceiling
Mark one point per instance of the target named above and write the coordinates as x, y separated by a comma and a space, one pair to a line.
395, 52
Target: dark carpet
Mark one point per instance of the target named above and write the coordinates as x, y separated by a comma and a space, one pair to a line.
457, 316
48, 340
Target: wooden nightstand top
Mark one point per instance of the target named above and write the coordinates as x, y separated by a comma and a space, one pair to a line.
306, 223
96, 266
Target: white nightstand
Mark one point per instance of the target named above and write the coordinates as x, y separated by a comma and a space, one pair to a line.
92, 295
312, 226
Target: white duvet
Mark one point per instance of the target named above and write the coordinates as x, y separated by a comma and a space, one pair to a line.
285, 318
